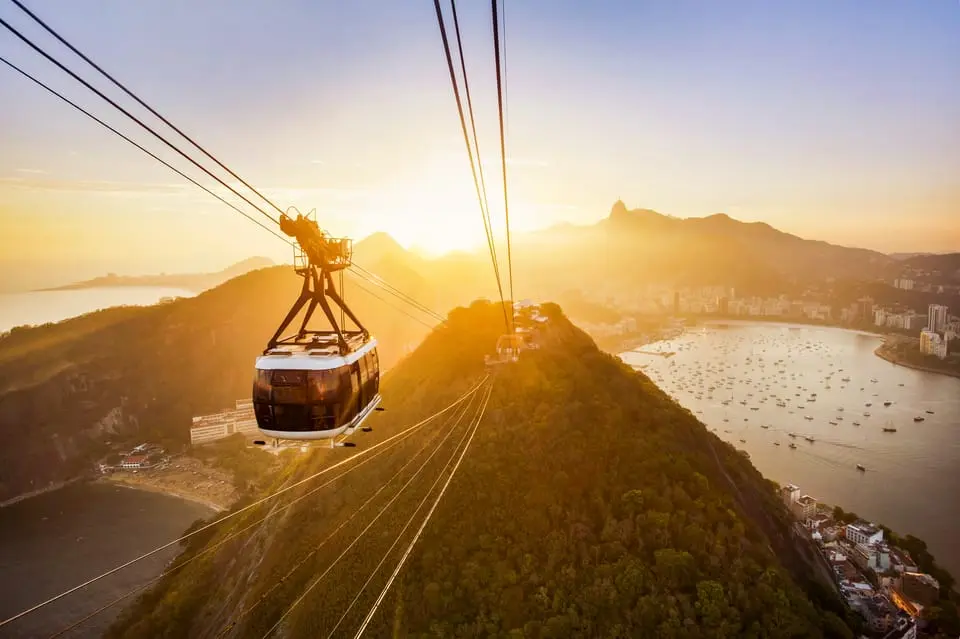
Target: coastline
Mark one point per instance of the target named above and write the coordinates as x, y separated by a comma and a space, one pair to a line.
152, 488
882, 352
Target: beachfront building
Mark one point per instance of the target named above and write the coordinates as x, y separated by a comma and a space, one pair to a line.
790, 494
804, 508
136, 462
240, 419
863, 532
932, 344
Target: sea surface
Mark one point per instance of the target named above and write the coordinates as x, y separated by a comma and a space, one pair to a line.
912, 477
40, 307
59, 539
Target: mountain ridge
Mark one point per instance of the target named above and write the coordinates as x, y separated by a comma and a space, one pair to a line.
191, 281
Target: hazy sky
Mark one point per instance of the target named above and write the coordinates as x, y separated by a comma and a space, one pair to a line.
831, 119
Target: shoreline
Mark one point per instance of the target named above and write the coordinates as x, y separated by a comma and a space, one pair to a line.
889, 357
151, 488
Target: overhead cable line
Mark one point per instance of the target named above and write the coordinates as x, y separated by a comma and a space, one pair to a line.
142, 124
233, 514
223, 541
359, 536
147, 151
416, 537
385, 302
477, 416
378, 281
246, 611
149, 108
487, 224
503, 150
466, 140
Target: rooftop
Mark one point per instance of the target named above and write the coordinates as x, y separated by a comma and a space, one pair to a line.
806, 500
864, 527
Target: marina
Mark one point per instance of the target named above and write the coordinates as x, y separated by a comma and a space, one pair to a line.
753, 379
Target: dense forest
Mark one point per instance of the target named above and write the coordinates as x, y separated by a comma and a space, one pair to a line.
589, 505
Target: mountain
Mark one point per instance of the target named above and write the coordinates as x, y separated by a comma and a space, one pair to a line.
635, 247
190, 281
941, 268
69, 389
588, 505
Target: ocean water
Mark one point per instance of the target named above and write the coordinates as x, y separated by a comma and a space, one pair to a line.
912, 477
57, 540
40, 307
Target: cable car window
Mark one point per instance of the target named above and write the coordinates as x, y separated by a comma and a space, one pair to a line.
289, 378
364, 373
323, 386
349, 406
261, 386
289, 387
375, 363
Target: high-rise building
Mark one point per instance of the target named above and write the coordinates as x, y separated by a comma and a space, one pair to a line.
932, 344
937, 317
865, 308
903, 283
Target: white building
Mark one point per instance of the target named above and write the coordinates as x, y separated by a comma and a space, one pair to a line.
208, 428
937, 317
790, 494
876, 557
912, 321
804, 508
932, 344
903, 283
863, 532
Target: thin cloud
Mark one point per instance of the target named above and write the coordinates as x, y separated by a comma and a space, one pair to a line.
31, 171
96, 186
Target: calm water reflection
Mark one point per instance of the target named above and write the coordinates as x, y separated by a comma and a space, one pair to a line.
765, 375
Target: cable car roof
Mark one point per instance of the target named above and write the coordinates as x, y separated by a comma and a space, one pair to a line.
323, 355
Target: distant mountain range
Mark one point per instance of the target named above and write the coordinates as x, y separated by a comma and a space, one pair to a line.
190, 281
631, 248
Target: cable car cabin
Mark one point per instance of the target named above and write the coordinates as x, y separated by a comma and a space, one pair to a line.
311, 391
508, 349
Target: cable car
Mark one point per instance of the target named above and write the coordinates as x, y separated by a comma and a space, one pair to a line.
508, 350
316, 384
313, 392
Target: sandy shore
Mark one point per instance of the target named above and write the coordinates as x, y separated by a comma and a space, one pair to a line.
123, 483
185, 478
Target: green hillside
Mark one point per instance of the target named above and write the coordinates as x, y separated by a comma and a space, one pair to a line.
589, 505
69, 390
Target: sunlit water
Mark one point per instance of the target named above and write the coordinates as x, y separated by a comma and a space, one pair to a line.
40, 307
912, 477
57, 540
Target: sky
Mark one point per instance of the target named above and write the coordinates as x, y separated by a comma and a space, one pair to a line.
831, 119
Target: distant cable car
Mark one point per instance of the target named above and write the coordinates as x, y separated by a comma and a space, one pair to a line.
316, 384
508, 349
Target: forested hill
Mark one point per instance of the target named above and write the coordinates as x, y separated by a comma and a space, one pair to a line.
589, 505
